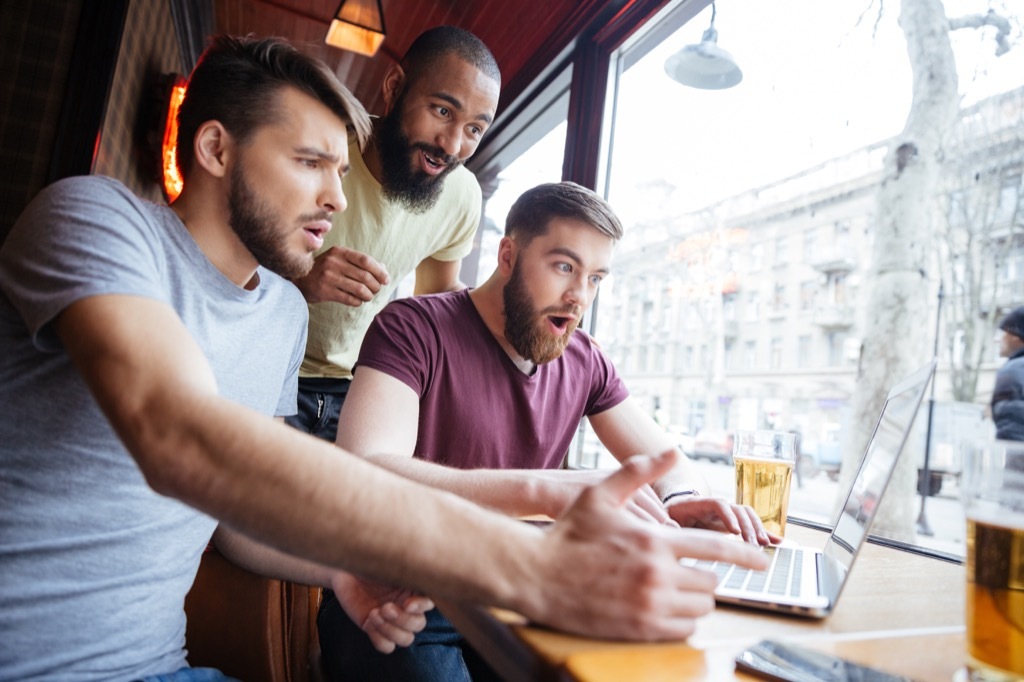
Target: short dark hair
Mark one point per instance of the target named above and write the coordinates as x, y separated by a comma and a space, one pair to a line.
530, 216
440, 41
236, 80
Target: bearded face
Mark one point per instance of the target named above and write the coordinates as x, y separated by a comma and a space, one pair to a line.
532, 332
403, 180
262, 229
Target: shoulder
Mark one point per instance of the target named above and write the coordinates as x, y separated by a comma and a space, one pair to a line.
462, 184
584, 345
430, 307
88, 194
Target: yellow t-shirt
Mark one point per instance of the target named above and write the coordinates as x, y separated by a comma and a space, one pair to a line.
398, 239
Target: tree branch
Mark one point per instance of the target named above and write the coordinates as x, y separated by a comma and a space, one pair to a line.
990, 18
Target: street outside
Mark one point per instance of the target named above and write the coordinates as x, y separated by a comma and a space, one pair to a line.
815, 501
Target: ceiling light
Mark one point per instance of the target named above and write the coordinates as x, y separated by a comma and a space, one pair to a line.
705, 66
358, 25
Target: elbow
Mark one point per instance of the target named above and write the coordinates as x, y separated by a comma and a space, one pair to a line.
167, 451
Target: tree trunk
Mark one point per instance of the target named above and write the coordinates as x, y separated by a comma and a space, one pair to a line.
897, 336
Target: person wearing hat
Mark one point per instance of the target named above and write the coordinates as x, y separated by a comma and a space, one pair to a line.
1008, 394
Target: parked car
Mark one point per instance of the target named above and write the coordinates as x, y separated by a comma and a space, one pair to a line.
682, 437
714, 445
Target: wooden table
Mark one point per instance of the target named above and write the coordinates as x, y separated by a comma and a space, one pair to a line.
901, 612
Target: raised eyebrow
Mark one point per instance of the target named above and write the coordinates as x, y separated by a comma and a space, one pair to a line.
575, 257
458, 106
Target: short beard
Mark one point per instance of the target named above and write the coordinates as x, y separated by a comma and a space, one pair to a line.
522, 328
258, 228
411, 187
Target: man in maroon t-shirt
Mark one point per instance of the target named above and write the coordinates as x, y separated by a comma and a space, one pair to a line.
491, 384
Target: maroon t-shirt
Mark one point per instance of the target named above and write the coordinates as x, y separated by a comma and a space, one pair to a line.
477, 410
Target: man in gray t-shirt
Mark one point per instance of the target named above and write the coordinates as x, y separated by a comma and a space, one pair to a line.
142, 352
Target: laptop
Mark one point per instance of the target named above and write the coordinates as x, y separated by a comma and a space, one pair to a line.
807, 581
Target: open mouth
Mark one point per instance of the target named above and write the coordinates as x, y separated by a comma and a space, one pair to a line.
433, 164
315, 234
560, 323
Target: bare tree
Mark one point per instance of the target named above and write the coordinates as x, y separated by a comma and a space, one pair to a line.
896, 331
983, 221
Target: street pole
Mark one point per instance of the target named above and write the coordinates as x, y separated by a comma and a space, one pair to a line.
926, 476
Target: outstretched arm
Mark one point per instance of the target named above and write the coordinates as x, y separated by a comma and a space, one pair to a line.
626, 430
366, 429
597, 572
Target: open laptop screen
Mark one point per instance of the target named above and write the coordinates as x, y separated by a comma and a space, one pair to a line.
876, 468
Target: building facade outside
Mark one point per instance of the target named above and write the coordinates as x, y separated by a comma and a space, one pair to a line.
749, 313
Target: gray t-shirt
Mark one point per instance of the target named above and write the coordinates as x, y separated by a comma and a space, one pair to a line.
94, 565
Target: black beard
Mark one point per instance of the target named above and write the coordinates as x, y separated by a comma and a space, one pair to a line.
522, 330
255, 224
411, 187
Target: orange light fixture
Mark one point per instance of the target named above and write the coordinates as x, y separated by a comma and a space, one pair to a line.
172, 180
358, 25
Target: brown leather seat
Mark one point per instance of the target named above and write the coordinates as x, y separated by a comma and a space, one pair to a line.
250, 627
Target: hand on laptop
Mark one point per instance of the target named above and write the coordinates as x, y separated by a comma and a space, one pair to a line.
715, 513
608, 573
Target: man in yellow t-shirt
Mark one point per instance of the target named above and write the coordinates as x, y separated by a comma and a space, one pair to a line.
412, 207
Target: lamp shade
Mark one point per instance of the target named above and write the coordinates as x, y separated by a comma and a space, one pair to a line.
358, 25
705, 66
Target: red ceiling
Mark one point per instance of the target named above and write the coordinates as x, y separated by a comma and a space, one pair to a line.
521, 34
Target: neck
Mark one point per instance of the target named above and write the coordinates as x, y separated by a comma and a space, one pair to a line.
489, 302
206, 217
371, 154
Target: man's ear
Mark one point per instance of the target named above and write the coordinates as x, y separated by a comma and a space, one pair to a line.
212, 148
508, 251
391, 88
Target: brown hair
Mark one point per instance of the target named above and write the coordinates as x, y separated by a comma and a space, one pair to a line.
530, 215
235, 82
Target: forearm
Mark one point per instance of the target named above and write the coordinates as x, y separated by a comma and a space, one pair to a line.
306, 498
269, 562
684, 476
510, 491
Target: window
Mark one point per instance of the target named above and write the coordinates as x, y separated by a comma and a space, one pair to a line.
836, 345
756, 256
803, 351
752, 312
775, 360
808, 246
784, 208
779, 299
808, 290
781, 251
539, 163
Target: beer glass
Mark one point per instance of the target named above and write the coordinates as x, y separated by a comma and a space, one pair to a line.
993, 492
764, 463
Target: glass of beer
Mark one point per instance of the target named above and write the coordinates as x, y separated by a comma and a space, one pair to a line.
993, 491
764, 470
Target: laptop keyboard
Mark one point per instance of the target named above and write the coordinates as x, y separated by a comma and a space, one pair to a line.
782, 577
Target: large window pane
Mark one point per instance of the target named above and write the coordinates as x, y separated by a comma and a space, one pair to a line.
751, 215
541, 162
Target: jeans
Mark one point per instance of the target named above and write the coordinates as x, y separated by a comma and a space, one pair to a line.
438, 654
320, 402
191, 675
